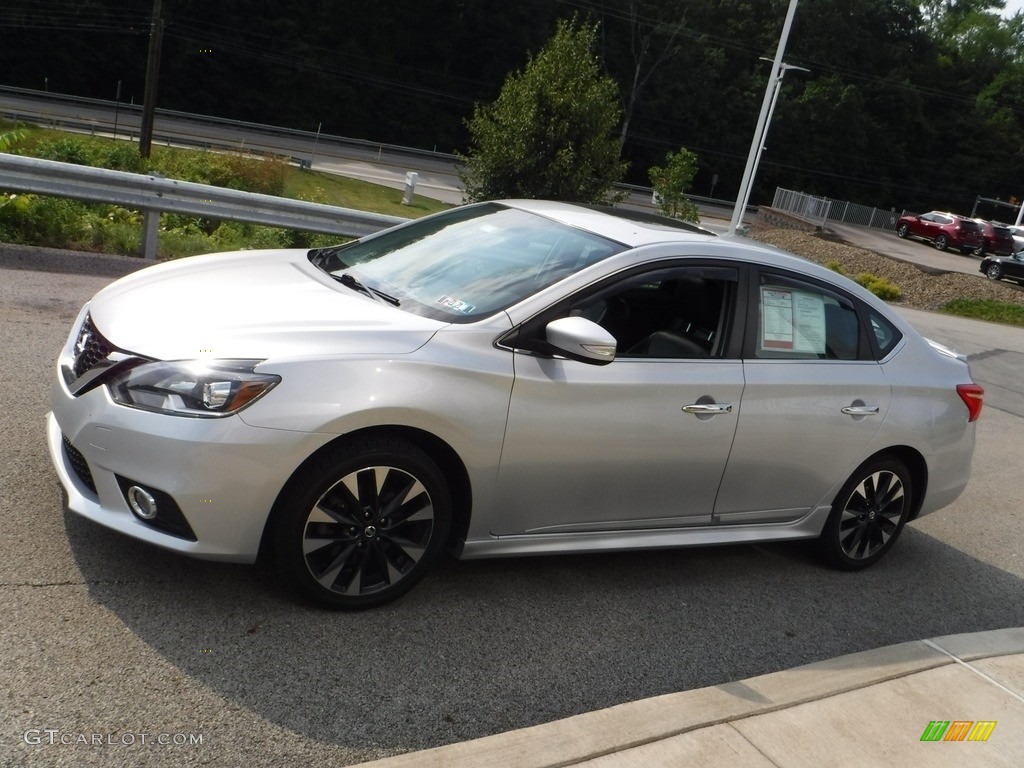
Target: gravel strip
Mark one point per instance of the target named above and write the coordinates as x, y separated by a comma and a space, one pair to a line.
921, 289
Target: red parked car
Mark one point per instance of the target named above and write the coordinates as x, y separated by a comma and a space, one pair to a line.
998, 238
945, 230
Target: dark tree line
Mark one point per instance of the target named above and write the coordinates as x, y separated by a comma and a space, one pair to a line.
915, 104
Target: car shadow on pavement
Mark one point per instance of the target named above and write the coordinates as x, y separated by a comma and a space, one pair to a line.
483, 647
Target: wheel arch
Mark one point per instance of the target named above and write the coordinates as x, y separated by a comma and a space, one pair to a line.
916, 465
447, 460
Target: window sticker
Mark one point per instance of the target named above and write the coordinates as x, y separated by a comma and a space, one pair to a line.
456, 305
792, 321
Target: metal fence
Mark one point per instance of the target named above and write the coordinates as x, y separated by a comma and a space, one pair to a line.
153, 194
818, 210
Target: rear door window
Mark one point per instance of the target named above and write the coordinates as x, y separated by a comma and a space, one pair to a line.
800, 320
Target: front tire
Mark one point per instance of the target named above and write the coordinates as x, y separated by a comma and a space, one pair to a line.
361, 524
902, 230
994, 272
868, 514
942, 242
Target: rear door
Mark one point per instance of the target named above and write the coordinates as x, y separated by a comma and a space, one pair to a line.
813, 400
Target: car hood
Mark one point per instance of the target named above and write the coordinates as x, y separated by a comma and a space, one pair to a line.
250, 304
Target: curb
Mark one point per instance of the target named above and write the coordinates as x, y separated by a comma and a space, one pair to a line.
627, 726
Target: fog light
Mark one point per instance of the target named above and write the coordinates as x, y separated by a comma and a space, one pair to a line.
142, 502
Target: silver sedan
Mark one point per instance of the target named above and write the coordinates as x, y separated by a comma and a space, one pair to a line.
502, 379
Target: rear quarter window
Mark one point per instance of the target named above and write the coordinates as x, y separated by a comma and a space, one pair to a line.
884, 334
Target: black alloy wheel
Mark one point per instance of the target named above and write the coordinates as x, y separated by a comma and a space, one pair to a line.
361, 524
868, 514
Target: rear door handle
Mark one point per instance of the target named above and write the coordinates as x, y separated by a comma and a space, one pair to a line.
861, 410
707, 409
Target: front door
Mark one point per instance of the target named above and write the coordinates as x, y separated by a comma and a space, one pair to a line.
641, 442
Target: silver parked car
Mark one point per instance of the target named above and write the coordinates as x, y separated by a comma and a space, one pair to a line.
1018, 238
503, 379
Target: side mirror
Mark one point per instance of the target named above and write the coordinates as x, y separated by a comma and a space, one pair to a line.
582, 340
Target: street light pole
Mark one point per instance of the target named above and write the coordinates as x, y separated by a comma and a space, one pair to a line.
764, 135
767, 104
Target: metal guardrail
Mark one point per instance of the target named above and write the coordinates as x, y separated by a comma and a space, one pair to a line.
154, 194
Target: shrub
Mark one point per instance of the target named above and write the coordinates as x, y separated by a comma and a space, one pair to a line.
123, 156
66, 150
50, 221
124, 238
882, 288
671, 182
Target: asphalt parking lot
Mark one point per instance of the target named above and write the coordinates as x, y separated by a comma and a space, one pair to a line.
116, 653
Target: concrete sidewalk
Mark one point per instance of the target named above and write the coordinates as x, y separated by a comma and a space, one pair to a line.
866, 709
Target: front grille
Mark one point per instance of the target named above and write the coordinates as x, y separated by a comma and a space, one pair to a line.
78, 464
90, 348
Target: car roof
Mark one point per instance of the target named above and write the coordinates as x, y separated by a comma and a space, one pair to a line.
645, 229
630, 227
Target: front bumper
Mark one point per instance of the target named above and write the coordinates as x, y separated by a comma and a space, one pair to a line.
222, 474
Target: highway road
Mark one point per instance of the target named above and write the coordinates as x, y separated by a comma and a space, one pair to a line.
107, 638
377, 163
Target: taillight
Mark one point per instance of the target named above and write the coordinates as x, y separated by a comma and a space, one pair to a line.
973, 396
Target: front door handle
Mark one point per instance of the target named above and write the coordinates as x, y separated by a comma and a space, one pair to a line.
707, 409
861, 410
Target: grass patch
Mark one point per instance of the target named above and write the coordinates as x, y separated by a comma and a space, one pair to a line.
987, 309
318, 187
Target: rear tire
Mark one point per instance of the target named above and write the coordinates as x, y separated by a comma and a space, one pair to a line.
362, 523
941, 242
868, 514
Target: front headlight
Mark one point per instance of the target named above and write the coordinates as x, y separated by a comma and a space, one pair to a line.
203, 388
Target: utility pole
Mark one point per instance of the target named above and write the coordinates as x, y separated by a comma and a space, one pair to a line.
117, 107
156, 36
760, 132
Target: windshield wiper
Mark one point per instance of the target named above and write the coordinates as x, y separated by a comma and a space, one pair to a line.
349, 281
320, 257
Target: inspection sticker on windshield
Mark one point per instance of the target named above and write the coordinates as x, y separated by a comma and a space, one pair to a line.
456, 305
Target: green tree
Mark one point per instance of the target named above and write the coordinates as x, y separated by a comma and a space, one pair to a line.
551, 131
671, 183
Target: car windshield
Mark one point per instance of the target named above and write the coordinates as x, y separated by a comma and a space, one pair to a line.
466, 263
